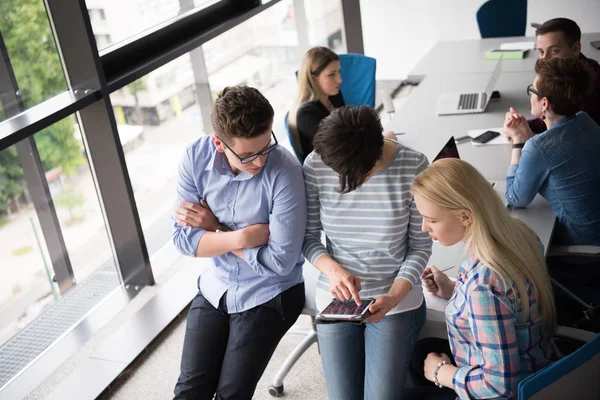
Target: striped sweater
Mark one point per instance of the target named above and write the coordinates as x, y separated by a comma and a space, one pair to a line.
374, 232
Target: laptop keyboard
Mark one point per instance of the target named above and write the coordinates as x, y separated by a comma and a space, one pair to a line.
468, 101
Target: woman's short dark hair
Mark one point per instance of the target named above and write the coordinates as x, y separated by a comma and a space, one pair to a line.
565, 82
350, 142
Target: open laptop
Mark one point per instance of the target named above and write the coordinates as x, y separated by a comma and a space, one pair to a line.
468, 103
450, 150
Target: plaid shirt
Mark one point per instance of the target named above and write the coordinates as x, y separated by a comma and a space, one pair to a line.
492, 350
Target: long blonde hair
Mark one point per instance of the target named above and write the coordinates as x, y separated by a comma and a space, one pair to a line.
314, 61
505, 244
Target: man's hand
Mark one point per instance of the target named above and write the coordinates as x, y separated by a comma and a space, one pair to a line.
196, 215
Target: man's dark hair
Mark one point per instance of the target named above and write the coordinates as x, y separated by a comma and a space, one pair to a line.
565, 82
241, 112
568, 27
350, 142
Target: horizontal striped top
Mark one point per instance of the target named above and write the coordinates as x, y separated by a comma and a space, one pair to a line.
374, 231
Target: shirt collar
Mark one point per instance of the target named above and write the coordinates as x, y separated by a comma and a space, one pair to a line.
218, 162
563, 121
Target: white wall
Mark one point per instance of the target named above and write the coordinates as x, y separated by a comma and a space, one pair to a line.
399, 32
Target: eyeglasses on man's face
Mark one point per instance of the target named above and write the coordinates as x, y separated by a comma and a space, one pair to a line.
252, 157
530, 90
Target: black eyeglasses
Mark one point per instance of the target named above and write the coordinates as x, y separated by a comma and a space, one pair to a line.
252, 157
530, 90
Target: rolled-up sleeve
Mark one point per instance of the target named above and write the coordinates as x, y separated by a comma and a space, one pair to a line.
419, 242
492, 323
287, 224
186, 239
313, 248
524, 180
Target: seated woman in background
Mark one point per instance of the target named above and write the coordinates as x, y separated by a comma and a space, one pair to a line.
500, 313
319, 93
358, 188
563, 163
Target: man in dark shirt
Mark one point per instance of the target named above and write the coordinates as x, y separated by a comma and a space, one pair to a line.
561, 37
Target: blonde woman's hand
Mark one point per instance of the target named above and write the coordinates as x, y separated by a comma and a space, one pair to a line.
438, 283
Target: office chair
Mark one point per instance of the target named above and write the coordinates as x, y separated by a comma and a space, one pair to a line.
291, 138
311, 276
588, 297
573, 377
358, 79
502, 18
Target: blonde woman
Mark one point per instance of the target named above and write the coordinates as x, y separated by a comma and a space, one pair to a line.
500, 313
319, 93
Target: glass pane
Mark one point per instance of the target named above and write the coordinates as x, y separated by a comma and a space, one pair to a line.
325, 24
32, 52
27, 264
26, 287
76, 200
116, 20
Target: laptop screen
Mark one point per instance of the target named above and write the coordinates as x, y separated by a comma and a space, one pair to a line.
450, 150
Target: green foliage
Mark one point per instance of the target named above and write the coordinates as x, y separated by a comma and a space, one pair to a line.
70, 200
26, 32
21, 251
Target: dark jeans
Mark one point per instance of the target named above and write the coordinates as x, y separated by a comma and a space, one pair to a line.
423, 388
226, 354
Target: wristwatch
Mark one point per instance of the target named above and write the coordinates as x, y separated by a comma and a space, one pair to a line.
518, 145
222, 228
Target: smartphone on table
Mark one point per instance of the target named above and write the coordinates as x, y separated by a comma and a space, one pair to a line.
339, 310
486, 137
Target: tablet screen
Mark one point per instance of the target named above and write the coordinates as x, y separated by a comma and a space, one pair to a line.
348, 308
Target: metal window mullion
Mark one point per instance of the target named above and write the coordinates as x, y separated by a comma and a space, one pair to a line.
79, 54
353, 26
35, 179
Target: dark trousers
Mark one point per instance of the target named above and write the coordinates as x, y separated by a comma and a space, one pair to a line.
423, 388
226, 354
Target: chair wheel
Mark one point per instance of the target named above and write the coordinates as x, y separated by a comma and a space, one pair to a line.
276, 391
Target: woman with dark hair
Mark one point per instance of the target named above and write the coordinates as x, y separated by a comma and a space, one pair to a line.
358, 187
563, 163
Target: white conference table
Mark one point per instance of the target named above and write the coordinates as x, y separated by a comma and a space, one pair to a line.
466, 56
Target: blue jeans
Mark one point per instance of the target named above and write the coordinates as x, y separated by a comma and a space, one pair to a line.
369, 361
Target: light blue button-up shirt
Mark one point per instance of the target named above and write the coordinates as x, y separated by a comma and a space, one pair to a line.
275, 196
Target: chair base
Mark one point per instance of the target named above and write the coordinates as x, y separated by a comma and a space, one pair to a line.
276, 389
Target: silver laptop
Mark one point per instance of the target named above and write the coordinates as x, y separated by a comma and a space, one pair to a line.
468, 103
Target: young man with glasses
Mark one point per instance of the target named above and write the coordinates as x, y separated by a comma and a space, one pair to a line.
241, 202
